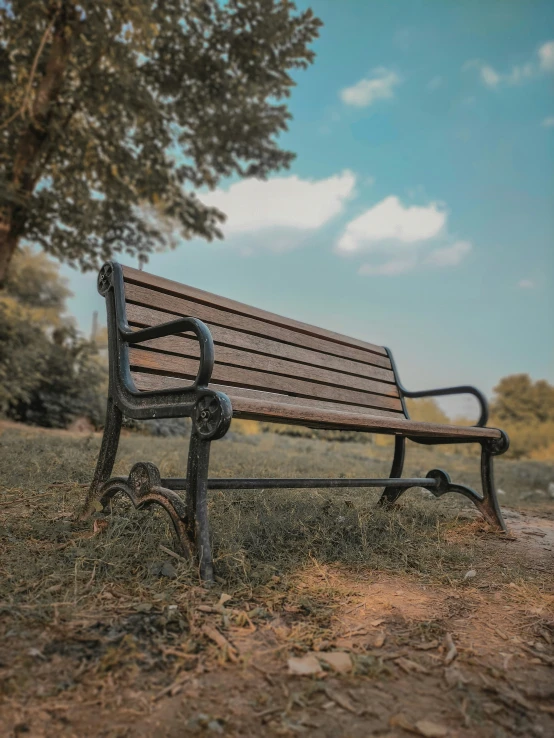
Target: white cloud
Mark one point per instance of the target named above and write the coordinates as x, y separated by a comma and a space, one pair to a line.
282, 202
389, 268
390, 220
378, 86
546, 56
449, 255
520, 73
489, 75
542, 61
435, 83
548, 122
526, 284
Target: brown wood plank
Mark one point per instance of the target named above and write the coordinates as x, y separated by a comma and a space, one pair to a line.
284, 409
139, 316
180, 366
183, 307
188, 347
175, 288
145, 381
344, 419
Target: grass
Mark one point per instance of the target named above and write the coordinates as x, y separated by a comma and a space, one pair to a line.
257, 535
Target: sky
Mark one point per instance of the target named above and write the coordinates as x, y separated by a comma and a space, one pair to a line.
419, 212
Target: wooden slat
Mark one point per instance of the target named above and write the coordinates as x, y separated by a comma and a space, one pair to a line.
145, 381
284, 409
188, 348
344, 419
139, 316
180, 366
183, 307
175, 288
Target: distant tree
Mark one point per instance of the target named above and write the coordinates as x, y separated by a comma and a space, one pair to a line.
520, 400
48, 373
427, 410
111, 110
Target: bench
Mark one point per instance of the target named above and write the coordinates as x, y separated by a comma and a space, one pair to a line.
176, 351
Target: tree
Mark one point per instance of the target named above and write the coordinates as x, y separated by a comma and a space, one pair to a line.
107, 107
520, 400
48, 373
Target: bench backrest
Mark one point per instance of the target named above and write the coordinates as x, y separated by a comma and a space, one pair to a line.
257, 354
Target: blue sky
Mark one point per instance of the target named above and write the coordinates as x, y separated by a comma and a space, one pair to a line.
419, 211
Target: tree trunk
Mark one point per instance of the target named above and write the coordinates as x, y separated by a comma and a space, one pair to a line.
26, 169
8, 244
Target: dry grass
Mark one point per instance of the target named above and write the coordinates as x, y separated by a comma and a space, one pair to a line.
256, 534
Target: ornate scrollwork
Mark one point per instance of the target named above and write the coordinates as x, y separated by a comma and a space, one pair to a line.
143, 488
143, 477
212, 416
498, 446
105, 278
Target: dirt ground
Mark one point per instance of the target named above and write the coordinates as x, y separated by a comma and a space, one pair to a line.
344, 624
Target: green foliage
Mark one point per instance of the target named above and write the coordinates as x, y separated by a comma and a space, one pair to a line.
114, 109
426, 410
520, 400
48, 373
525, 409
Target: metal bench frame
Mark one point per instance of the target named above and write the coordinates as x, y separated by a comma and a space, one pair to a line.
211, 413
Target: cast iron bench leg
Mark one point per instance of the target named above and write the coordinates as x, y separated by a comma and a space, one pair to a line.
198, 527
106, 457
391, 494
486, 503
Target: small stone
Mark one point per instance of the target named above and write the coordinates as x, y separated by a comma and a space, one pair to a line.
470, 574
168, 570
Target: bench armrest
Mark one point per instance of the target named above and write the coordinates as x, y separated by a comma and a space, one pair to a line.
460, 390
173, 327
463, 389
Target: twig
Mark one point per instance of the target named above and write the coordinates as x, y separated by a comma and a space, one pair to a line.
171, 553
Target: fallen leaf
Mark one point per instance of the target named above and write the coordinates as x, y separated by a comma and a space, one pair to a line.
214, 635
341, 700
347, 644
450, 648
379, 639
304, 665
143, 607
337, 660
431, 730
408, 666
99, 526
427, 646
453, 676
376, 623
223, 599
36, 653
401, 721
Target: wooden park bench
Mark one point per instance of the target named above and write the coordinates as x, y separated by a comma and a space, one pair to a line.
176, 351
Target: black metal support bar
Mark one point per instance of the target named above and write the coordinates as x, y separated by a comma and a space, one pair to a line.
273, 483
